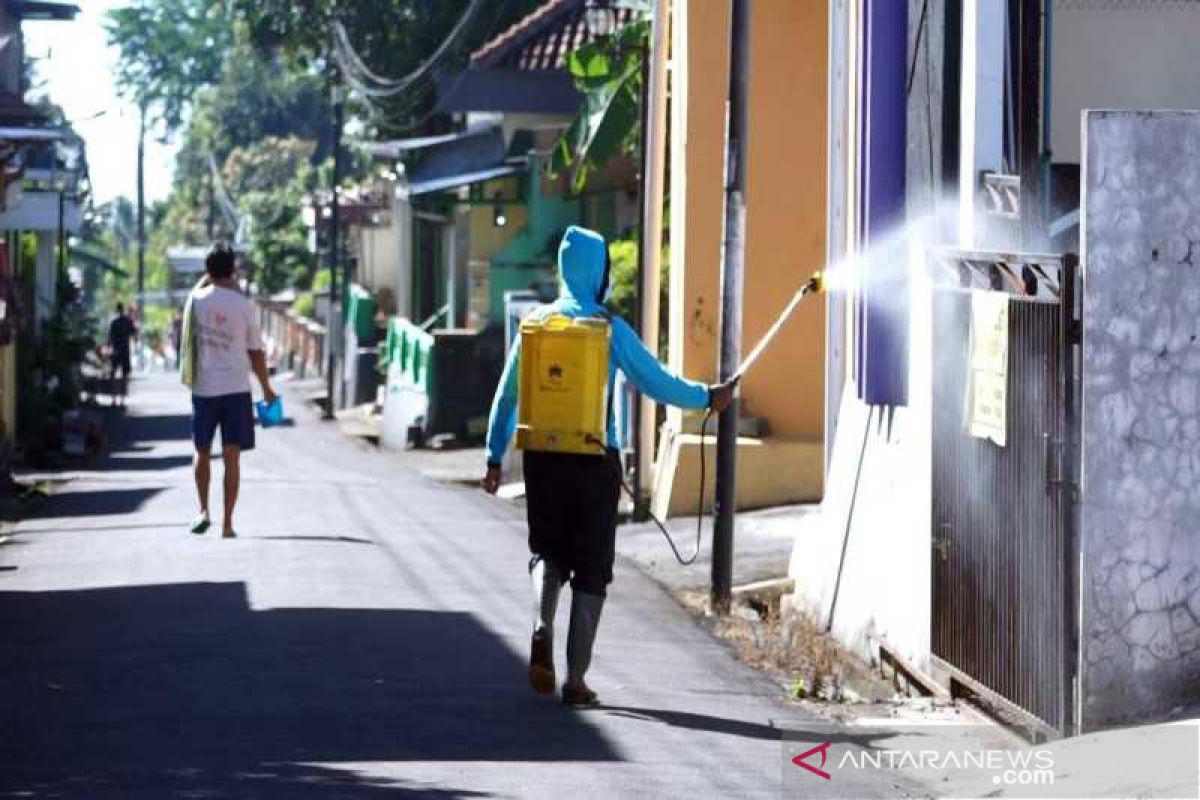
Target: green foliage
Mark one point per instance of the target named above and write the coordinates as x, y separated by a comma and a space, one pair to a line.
261, 124
304, 305
269, 179
608, 72
393, 37
623, 283
322, 280
623, 278
168, 50
49, 362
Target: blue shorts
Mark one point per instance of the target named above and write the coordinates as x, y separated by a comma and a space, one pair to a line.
233, 413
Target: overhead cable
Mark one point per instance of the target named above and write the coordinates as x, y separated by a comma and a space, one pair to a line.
356, 69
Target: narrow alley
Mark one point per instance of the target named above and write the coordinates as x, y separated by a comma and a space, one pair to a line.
363, 637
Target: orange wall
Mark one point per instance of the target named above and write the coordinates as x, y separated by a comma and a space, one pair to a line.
786, 200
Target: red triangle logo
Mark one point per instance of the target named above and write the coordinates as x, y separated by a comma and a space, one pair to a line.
799, 760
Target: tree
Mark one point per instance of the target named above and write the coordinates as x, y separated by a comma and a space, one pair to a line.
608, 73
391, 37
168, 50
269, 180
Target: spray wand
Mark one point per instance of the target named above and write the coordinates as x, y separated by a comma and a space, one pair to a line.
814, 285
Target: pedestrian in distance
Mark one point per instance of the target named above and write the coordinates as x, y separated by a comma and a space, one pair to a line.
175, 337
220, 346
121, 332
571, 498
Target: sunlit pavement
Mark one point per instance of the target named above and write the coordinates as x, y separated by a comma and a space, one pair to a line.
364, 637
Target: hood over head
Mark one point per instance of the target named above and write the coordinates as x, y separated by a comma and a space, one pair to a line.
583, 267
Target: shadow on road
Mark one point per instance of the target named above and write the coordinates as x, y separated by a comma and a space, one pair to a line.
183, 689
315, 538
146, 463
868, 739
699, 722
137, 428
91, 503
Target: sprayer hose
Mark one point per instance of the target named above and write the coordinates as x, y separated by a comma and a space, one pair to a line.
686, 562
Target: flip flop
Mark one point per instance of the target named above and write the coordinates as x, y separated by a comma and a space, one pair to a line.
200, 524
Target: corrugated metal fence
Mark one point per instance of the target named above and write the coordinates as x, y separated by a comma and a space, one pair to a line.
1003, 539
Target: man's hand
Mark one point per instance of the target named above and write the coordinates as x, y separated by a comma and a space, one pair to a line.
721, 395
269, 394
491, 481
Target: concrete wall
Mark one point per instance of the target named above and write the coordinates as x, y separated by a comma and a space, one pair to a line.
1119, 54
1141, 415
786, 203
876, 507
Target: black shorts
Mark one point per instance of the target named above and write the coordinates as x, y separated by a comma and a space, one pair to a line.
232, 413
121, 363
571, 502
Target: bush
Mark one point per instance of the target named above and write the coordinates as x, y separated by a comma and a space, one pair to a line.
623, 297
304, 304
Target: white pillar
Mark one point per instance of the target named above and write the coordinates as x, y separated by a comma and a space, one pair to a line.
652, 222
981, 137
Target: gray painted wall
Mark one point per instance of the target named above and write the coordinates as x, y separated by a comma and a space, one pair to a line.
1141, 415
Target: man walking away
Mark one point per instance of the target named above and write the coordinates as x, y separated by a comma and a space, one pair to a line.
220, 326
570, 498
120, 331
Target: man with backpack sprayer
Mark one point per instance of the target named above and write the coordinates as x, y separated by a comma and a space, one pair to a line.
572, 479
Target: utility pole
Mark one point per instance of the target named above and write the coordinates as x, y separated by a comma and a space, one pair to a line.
731, 302
141, 213
333, 318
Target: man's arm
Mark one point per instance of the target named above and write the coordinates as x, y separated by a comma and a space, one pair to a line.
258, 356
258, 363
503, 417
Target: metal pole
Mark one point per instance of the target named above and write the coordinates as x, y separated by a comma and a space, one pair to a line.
331, 318
141, 214
731, 301
343, 284
640, 506
62, 239
654, 136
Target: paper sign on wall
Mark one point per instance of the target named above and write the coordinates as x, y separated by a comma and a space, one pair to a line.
988, 380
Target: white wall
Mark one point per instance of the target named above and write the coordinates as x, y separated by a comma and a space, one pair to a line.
884, 591
1120, 54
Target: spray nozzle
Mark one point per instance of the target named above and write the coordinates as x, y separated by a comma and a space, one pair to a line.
815, 284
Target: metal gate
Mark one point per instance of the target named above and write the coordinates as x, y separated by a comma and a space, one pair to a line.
1004, 550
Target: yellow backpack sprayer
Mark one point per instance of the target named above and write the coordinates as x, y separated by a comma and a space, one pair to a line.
562, 397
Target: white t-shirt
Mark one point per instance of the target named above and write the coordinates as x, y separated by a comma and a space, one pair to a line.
226, 332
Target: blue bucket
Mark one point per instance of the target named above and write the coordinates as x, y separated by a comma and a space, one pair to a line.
269, 413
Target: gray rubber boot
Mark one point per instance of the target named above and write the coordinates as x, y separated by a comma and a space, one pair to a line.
547, 585
585, 620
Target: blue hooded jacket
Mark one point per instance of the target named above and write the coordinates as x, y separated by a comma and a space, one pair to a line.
583, 285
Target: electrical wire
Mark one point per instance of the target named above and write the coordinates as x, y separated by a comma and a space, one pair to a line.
356, 69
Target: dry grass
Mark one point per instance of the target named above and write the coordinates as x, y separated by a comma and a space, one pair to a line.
792, 648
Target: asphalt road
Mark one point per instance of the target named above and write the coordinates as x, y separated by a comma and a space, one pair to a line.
365, 637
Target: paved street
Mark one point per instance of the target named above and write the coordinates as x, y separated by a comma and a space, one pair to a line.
365, 637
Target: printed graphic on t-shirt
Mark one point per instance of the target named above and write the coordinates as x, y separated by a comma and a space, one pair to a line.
226, 331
